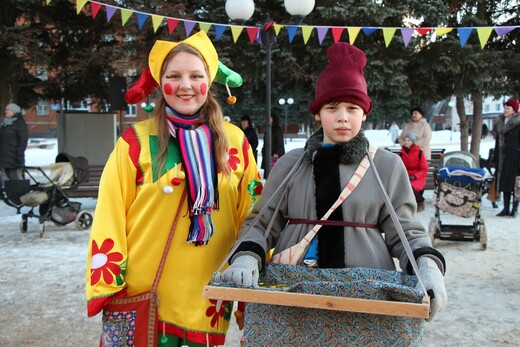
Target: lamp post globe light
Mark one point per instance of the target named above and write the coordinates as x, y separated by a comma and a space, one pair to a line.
240, 11
283, 102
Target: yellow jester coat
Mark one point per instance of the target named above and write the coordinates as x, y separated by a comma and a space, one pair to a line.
133, 217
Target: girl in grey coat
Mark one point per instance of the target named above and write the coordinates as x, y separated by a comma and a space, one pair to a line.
361, 232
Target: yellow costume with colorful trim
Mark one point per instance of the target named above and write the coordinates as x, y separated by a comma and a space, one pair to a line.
133, 217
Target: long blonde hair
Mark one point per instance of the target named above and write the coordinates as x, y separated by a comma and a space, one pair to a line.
210, 113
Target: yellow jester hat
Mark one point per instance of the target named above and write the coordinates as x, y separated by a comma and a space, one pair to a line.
200, 41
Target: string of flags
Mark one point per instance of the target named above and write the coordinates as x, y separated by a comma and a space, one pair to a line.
253, 32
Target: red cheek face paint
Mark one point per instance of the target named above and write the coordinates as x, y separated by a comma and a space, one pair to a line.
168, 89
203, 88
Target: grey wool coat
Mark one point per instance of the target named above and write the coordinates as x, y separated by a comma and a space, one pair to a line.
363, 246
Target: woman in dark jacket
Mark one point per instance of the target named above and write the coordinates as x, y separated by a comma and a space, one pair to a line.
507, 155
277, 144
13, 142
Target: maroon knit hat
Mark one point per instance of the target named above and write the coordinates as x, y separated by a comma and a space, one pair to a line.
342, 79
513, 103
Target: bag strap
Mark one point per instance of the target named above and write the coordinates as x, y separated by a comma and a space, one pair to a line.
158, 274
399, 228
349, 188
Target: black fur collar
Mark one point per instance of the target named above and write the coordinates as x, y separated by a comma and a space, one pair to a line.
513, 122
351, 152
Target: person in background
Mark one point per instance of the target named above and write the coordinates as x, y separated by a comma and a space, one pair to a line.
185, 149
421, 129
361, 232
507, 155
277, 144
249, 130
485, 131
417, 167
14, 137
394, 133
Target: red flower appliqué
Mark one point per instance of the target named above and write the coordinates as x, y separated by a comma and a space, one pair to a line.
233, 158
215, 313
103, 262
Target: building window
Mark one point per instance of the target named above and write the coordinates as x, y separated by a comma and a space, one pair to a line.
131, 111
42, 108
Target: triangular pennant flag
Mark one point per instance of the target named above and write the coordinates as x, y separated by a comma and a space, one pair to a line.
464, 35
96, 6
483, 35
205, 27
368, 30
388, 35
252, 32
219, 30
352, 34
443, 31
235, 32
277, 28
258, 38
291, 31
172, 24
306, 32
407, 35
322, 32
141, 18
79, 5
423, 31
336, 33
188, 26
501, 31
156, 21
110, 12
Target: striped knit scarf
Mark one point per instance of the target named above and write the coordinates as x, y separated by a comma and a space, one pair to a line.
196, 147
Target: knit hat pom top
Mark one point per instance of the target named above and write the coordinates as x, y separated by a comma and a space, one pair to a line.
342, 79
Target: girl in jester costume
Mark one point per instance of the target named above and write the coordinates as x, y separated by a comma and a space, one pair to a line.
186, 145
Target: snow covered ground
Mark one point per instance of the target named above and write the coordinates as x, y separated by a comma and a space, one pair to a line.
42, 279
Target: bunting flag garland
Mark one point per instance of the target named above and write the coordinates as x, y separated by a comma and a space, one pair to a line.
253, 32
464, 35
336, 33
407, 35
352, 34
125, 16
388, 35
483, 35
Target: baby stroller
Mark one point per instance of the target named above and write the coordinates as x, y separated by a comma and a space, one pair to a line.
48, 188
459, 186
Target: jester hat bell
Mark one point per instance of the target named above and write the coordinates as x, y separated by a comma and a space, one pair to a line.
200, 41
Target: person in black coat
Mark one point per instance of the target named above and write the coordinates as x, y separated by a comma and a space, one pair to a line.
507, 155
250, 132
13, 142
277, 144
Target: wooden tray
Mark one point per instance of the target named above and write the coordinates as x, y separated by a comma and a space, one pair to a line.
269, 297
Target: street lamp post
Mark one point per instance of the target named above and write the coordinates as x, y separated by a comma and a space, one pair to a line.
240, 10
286, 104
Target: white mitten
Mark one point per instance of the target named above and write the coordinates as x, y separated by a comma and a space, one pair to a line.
243, 272
434, 283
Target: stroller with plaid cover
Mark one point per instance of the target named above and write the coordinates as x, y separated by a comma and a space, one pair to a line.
459, 186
